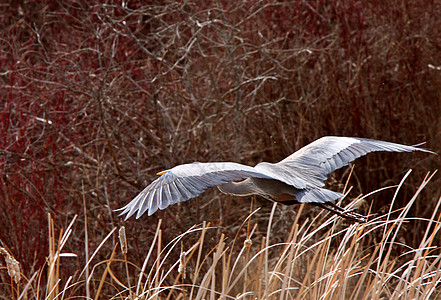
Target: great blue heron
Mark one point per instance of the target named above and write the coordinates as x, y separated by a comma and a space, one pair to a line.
299, 178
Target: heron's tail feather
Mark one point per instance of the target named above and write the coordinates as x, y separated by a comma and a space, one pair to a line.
317, 195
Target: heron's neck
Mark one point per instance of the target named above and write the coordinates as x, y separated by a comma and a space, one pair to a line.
242, 188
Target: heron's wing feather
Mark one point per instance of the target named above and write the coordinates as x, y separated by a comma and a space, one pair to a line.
184, 182
296, 174
317, 195
332, 153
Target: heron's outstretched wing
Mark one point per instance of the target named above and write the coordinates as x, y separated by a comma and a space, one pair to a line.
332, 152
184, 182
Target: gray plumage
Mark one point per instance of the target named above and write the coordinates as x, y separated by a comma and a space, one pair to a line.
299, 178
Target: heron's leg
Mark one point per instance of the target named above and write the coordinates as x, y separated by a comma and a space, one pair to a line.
351, 211
342, 212
336, 207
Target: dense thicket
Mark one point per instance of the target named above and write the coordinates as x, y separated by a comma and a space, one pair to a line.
99, 96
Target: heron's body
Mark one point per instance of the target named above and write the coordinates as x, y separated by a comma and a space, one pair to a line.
299, 178
270, 189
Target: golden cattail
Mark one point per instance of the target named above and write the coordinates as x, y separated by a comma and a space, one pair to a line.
12, 264
181, 268
123, 239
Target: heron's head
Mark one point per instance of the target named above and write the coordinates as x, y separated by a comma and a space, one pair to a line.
162, 172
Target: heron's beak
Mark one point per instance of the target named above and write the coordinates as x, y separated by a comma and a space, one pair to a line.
162, 172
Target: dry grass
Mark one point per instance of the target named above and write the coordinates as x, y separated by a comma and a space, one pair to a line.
321, 258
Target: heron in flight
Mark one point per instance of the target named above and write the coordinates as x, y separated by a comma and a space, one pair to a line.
299, 178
